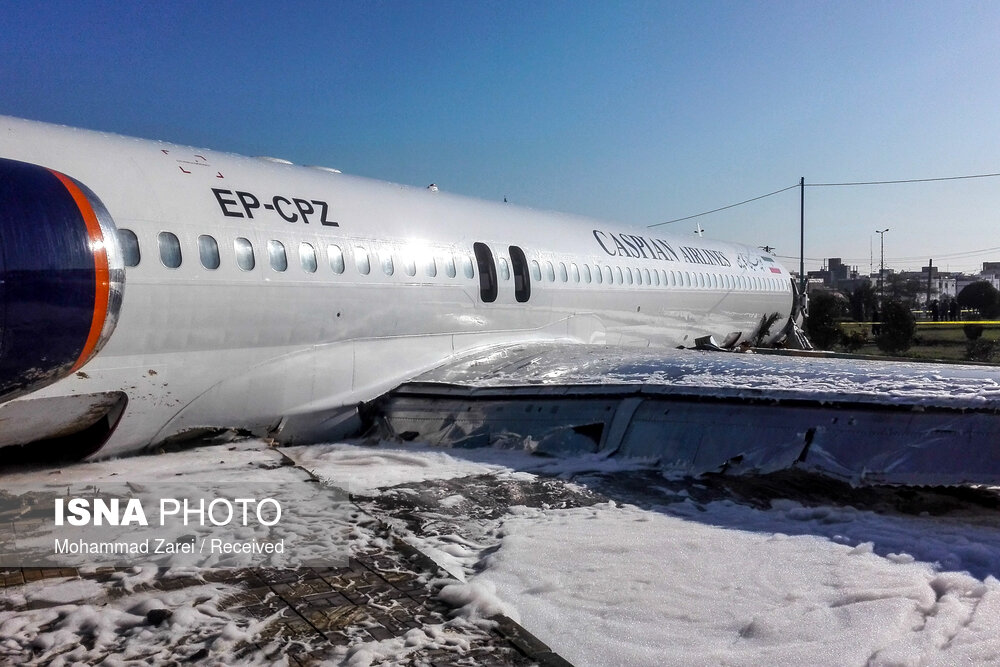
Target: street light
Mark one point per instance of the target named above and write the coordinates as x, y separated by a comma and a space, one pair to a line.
881, 263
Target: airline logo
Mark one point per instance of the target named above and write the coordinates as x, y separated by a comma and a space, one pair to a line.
640, 247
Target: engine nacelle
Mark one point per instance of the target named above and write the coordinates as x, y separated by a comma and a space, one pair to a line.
61, 277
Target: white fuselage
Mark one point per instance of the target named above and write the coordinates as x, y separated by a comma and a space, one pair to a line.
248, 347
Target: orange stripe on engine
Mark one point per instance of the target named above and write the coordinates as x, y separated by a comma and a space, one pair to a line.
102, 274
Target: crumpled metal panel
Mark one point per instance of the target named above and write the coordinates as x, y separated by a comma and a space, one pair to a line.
857, 420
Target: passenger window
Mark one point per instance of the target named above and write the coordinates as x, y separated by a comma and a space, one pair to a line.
586, 273
519, 266
208, 251
607, 275
307, 257
563, 276
430, 267
130, 246
504, 270
277, 256
638, 276
628, 274
487, 272
536, 270
618, 276
362, 261
467, 267
336, 256
170, 250
550, 272
656, 278
574, 271
244, 254
449, 266
649, 280
386, 261
409, 265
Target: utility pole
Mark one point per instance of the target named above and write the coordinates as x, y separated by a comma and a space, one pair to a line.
802, 238
881, 263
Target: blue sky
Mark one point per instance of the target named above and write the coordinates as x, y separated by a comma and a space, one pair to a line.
632, 111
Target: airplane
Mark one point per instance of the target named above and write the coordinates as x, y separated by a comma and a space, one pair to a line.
152, 292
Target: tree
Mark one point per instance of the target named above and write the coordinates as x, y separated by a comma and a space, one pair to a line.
898, 288
981, 296
898, 327
822, 326
863, 302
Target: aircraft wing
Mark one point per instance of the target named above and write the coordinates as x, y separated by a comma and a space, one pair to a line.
864, 421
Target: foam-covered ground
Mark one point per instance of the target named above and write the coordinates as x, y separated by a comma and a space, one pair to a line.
607, 561
669, 571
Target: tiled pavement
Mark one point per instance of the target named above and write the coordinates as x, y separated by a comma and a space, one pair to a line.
315, 615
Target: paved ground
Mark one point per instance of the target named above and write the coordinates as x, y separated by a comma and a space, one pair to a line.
315, 615
304, 615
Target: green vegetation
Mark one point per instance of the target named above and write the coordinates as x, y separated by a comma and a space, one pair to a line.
764, 328
982, 297
952, 329
932, 340
898, 326
822, 327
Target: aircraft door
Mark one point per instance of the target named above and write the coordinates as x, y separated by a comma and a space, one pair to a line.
487, 272
522, 282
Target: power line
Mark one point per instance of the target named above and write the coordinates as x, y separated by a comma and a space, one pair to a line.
965, 254
953, 255
825, 185
723, 208
909, 180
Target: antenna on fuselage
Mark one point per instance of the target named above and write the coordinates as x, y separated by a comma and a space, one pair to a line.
698, 230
